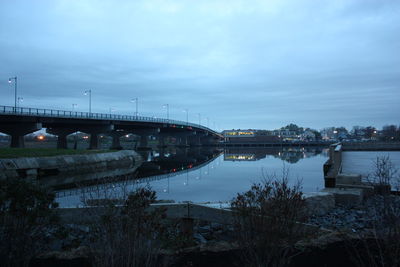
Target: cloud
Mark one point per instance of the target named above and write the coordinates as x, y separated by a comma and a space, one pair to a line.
255, 64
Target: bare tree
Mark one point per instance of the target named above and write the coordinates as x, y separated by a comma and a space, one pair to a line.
266, 219
127, 235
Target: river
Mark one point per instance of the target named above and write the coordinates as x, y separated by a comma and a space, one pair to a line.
210, 175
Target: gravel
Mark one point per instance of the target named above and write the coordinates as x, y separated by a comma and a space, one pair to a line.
372, 214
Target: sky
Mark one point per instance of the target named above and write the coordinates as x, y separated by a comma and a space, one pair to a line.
247, 64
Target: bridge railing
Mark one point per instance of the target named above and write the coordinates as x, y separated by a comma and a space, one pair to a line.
95, 116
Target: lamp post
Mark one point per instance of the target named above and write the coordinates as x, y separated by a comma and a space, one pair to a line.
198, 114
89, 92
15, 90
187, 115
136, 100
167, 107
111, 110
19, 100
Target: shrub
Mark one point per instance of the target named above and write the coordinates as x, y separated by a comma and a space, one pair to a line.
128, 235
26, 215
384, 175
266, 219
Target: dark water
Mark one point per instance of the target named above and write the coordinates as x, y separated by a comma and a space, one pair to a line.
209, 175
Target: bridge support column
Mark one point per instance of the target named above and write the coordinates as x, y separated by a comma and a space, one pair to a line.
94, 132
184, 139
62, 133
144, 136
195, 140
161, 140
94, 140
62, 141
116, 139
18, 131
144, 140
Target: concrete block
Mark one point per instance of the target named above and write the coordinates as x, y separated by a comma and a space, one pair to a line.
348, 179
346, 196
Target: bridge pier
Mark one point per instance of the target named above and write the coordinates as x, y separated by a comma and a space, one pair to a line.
17, 131
144, 136
184, 139
62, 133
94, 132
195, 140
116, 139
94, 140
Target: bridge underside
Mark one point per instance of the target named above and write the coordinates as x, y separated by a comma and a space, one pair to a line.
19, 126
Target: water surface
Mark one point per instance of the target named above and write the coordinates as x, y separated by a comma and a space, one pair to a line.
202, 175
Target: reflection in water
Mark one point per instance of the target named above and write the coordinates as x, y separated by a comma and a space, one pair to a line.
203, 174
288, 154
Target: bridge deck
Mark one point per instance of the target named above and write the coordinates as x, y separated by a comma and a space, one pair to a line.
363, 162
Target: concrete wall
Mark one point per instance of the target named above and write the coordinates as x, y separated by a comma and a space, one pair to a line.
371, 146
333, 166
70, 168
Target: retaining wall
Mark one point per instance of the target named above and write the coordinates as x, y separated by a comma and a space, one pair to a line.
66, 169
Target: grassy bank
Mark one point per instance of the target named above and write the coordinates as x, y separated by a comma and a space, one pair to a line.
43, 152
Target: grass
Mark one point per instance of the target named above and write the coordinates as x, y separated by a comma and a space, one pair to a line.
44, 152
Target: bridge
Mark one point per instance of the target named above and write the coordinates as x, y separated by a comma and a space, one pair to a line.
20, 121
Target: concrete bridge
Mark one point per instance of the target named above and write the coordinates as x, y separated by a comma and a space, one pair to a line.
17, 122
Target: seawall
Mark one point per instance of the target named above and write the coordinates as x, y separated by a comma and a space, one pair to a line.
69, 169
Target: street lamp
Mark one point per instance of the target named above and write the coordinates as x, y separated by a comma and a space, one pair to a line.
111, 110
15, 90
89, 92
187, 115
198, 114
19, 100
136, 100
167, 107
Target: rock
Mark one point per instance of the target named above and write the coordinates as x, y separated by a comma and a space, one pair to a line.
80, 252
199, 238
319, 203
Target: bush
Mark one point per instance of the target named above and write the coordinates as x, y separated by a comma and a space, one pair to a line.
128, 235
26, 215
380, 246
384, 175
266, 219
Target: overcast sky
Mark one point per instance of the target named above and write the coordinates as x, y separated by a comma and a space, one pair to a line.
243, 64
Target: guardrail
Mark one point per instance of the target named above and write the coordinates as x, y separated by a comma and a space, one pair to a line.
25, 111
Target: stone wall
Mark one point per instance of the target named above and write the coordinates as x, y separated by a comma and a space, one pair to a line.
70, 168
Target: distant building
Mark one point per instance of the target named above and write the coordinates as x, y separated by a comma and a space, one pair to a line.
249, 136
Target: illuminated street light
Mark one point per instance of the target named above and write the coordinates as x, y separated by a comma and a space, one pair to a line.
89, 92
136, 101
167, 107
15, 90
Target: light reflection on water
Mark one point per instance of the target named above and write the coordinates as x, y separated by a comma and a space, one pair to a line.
222, 177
